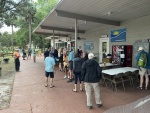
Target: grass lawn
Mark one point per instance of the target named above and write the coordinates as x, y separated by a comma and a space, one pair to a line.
7, 68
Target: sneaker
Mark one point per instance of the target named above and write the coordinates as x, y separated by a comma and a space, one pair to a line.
65, 76
68, 77
69, 81
99, 105
89, 107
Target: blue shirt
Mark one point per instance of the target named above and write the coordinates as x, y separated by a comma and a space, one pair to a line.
71, 56
49, 63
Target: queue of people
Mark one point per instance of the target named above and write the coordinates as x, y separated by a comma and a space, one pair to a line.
78, 67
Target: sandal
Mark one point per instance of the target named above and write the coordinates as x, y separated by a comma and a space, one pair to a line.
52, 86
140, 87
81, 89
74, 90
46, 85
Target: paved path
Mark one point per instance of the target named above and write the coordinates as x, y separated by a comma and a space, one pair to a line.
31, 96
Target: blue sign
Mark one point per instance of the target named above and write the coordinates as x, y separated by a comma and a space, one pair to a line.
118, 35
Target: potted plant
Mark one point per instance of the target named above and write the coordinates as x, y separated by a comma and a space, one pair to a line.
6, 60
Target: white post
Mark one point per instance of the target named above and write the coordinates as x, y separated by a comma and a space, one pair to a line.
53, 40
76, 32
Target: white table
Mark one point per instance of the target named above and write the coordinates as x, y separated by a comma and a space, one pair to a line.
119, 70
107, 65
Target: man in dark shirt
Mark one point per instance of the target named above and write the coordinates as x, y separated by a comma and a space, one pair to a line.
46, 53
91, 75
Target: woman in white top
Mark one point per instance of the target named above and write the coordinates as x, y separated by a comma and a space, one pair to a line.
60, 57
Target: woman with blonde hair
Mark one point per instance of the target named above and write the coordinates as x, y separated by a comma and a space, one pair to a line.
65, 59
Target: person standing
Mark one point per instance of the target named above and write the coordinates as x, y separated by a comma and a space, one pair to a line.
145, 69
56, 56
29, 53
46, 53
34, 55
77, 65
17, 61
49, 70
70, 60
91, 75
60, 56
65, 61
85, 56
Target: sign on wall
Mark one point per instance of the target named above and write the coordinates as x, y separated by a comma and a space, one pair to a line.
88, 46
118, 35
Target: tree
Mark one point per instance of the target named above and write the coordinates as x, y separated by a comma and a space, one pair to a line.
21, 37
5, 39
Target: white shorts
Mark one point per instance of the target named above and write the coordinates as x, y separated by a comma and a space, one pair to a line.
143, 71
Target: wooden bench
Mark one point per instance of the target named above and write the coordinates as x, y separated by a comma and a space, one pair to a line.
6, 54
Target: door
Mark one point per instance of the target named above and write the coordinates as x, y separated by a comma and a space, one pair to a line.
103, 47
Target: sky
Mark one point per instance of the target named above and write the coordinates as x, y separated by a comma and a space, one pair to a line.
9, 29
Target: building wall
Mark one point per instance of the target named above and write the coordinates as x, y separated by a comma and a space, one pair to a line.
137, 29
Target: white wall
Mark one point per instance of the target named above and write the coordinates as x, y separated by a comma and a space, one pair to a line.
137, 29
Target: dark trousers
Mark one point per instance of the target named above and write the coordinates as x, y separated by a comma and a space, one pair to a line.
17, 64
76, 77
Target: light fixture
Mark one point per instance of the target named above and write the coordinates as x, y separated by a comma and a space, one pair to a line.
109, 13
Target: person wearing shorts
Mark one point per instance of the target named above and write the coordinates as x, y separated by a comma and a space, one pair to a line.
49, 70
65, 59
70, 59
143, 71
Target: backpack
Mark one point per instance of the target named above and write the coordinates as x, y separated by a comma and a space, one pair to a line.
142, 62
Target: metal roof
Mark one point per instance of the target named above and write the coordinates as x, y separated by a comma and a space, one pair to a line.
91, 14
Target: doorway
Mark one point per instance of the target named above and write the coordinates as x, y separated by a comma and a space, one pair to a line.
103, 48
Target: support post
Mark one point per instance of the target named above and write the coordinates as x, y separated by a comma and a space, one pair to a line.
76, 32
53, 40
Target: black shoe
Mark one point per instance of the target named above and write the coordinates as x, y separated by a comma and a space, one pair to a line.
99, 105
69, 81
89, 107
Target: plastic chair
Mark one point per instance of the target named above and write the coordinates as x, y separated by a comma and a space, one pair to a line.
117, 79
127, 77
135, 77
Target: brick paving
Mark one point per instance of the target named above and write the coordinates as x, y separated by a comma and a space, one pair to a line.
29, 94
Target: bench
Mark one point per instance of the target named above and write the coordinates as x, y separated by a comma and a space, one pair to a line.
6, 54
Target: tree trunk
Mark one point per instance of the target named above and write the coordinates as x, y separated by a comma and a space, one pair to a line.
12, 41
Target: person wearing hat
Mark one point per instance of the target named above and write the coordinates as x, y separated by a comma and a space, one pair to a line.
91, 75
143, 71
16, 58
49, 69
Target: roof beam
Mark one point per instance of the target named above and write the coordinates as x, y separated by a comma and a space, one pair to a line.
86, 18
43, 33
60, 29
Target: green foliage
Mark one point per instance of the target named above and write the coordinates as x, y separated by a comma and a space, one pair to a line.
5, 39
19, 14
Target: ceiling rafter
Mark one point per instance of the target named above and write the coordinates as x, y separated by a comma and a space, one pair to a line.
86, 18
60, 29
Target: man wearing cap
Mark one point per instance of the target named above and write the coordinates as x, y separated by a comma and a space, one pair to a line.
91, 75
143, 71
17, 61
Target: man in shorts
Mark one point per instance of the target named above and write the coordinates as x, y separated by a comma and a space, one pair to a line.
143, 71
49, 70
